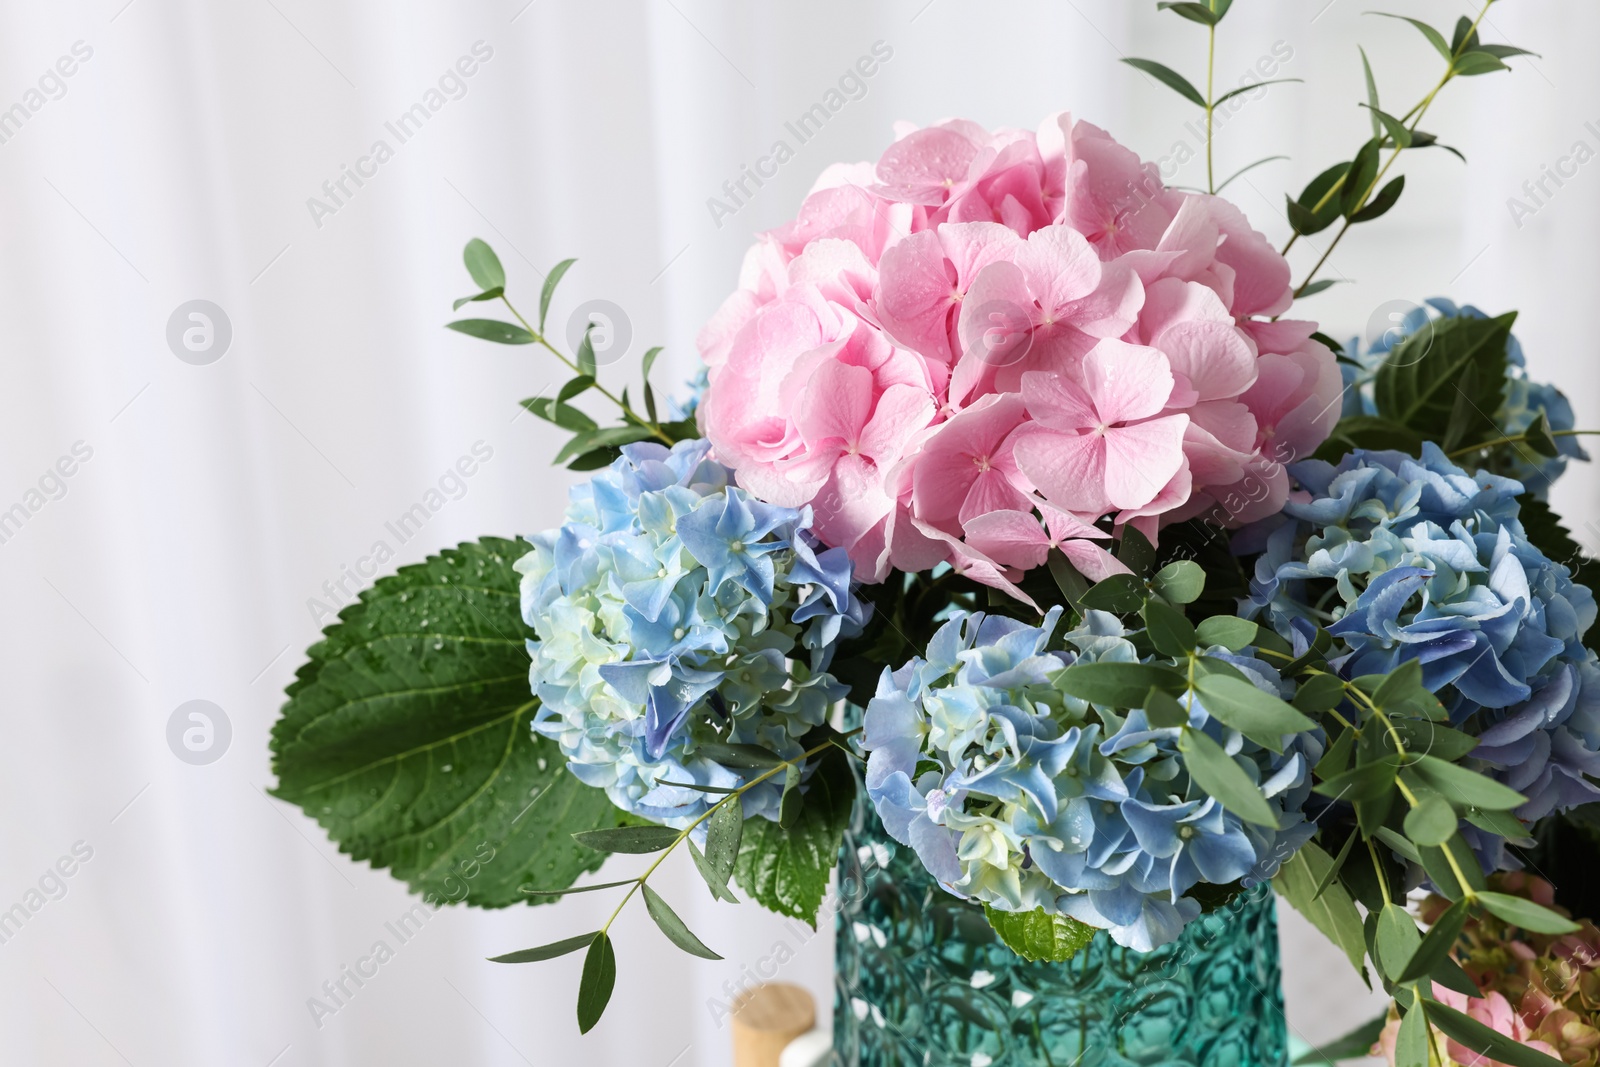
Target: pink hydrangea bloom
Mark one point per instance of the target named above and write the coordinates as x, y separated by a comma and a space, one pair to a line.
982, 346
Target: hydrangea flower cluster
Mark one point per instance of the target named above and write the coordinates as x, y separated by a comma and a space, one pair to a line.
1408, 559
1524, 401
971, 351
1015, 794
671, 610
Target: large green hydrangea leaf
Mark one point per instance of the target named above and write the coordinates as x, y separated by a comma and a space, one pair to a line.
406, 736
787, 871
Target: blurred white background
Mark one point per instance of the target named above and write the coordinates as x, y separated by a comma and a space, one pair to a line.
176, 164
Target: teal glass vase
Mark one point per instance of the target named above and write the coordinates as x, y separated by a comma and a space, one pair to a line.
922, 981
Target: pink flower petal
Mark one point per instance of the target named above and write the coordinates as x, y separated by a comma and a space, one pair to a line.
923, 166
835, 407
958, 451
1056, 401
1126, 381
1092, 561
974, 564
901, 411
917, 291
1214, 357
1140, 459
1011, 538
1069, 469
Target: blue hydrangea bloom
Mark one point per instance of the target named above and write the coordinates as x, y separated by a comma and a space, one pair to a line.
1020, 796
674, 609
1406, 559
1524, 399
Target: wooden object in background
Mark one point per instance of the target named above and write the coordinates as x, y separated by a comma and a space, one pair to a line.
767, 1018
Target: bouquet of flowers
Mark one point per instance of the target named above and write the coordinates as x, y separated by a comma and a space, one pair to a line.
1010, 495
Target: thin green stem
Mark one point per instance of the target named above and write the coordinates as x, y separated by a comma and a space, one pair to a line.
1513, 439
1211, 64
627, 411
1383, 881
712, 810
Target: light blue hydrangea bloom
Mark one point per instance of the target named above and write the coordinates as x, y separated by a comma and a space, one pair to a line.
1524, 399
1405, 559
674, 609
1017, 795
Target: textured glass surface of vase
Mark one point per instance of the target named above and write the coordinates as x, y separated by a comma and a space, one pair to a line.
921, 981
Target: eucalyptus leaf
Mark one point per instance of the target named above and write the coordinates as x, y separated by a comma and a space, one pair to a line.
1540, 438
1117, 685
1169, 77
709, 876
1434, 37
1257, 714
1252, 87
1380, 204
1411, 1043
1135, 552
585, 357
1162, 710
1171, 633
741, 756
551, 280
1332, 910
1215, 772
548, 952
1475, 63
1072, 584
501, 333
564, 416
1397, 130
1229, 631
1436, 943
1363, 171
1372, 92
1397, 940
634, 840
577, 889
724, 831
488, 294
1192, 11
1319, 191
1519, 911
1319, 693
484, 265
793, 800
1431, 822
1120, 594
669, 923
1466, 787
605, 437
1319, 286
1181, 581
1484, 1042
598, 979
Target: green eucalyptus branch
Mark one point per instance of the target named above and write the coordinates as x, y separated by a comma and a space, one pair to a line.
627, 410
1415, 115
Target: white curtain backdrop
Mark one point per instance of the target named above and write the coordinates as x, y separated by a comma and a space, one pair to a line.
208, 504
